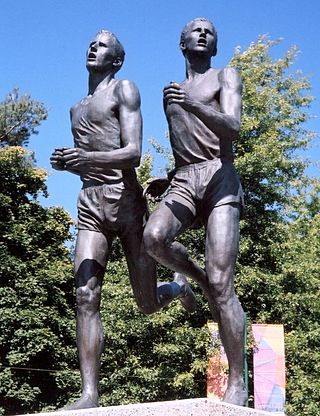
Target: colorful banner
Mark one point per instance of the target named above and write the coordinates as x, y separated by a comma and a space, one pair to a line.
217, 377
269, 367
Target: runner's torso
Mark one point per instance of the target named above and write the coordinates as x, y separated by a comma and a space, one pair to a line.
95, 127
191, 140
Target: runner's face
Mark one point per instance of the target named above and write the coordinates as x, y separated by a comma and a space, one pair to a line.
101, 53
199, 38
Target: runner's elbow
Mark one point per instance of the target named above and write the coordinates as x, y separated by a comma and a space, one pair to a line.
136, 161
135, 156
234, 129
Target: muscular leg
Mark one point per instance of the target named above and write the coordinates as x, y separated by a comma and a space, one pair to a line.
221, 252
91, 253
151, 295
172, 217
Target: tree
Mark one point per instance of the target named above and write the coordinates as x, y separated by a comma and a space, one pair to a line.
298, 305
36, 285
275, 107
19, 118
279, 249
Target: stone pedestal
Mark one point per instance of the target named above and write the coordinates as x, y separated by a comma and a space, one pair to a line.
190, 407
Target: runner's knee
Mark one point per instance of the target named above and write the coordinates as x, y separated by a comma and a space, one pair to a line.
154, 240
221, 286
88, 300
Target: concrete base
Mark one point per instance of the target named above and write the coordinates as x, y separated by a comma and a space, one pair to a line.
190, 407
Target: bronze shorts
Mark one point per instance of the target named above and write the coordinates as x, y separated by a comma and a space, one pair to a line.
206, 185
112, 209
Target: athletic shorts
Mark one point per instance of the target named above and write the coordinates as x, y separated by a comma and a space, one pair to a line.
114, 210
207, 185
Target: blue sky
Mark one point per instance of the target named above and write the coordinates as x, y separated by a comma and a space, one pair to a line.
43, 46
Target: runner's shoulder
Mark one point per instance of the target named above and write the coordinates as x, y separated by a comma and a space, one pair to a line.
230, 77
127, 92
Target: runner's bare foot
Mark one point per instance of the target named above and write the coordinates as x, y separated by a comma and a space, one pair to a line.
236, 395
85, 402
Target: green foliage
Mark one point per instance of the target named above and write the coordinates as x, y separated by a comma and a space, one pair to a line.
145, 168
36, 289
291, 297
299, 306
274, 109
20, 116
278, 270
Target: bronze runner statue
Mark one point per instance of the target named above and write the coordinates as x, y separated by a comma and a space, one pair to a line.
107, 131
204, 115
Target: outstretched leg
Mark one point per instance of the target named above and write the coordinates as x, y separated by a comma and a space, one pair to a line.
91, 253
221, 252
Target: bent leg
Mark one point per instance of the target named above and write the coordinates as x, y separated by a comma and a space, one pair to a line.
91, 253
151, 295
221, 251
170, 219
